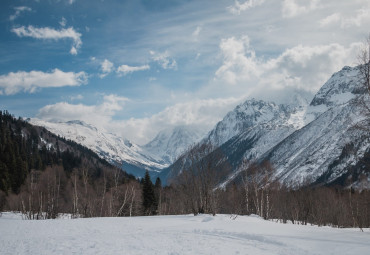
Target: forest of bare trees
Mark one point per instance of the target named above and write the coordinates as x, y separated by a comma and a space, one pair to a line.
48, 193
258, 194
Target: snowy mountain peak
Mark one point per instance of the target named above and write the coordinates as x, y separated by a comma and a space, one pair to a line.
134, 159
305, 143
244, 116
77, 122
340, 88
171, 142
81, 123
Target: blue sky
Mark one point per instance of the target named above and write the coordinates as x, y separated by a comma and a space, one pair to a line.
136, 67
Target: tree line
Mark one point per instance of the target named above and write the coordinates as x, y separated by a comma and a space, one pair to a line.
43, 182
256, 192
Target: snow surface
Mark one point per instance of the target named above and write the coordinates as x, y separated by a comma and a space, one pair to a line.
185, 234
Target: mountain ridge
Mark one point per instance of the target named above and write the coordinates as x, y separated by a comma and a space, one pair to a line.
326, 124
254, 130
132, 158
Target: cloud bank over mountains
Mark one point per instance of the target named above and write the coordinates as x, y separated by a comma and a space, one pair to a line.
145, 67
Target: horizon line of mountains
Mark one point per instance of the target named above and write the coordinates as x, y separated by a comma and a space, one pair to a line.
316, 143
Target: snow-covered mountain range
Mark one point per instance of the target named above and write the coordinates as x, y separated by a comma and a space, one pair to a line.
306, 142
325, 149
133, 158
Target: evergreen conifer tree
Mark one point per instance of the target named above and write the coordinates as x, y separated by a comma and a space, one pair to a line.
158, 183
149, 200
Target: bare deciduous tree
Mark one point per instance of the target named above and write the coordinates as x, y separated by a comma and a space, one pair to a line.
75, 211
364, 77
245, 179
364, 64
200, 179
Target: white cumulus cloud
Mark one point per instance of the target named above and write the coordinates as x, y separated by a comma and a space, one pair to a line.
51, 34
125, 69
331, 19
73, 50
201, 113
290, 8
77, 97
99, 115
164, 59
13, 83
361, 17
239, 62
106, 67
301, 67
63, 22
237, 8
18, 11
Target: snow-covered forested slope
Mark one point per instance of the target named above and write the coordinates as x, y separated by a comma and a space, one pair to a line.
203, 234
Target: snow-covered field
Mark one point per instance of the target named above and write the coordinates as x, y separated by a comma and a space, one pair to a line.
187, 234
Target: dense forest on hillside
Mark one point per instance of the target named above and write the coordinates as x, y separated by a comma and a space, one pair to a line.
44, 174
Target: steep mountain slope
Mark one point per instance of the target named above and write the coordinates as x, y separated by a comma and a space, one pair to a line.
246, 132
305, 144
327, 147
245, 115
253, 113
